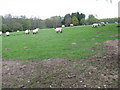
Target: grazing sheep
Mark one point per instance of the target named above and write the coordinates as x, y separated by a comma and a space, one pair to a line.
106, 22
0, 33
102, 24
116, 22
71, 25
27, 31
35, 31
95, 25
18, 31
58, 30
63, 25
7, 33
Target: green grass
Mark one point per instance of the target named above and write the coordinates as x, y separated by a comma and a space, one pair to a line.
48, 44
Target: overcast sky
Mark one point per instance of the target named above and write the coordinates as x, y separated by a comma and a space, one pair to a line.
47, 8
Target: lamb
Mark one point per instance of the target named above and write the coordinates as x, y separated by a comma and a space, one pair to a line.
7, 33
18, 31
95, 25
27, 31
58, 30
71, 25
0, 33
63, 25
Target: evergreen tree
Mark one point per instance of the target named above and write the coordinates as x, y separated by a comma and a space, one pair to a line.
75, 20
67, 19
83, 22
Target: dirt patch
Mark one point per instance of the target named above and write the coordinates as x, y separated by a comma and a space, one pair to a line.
99, 71
97, 36
13, 73
118, 35
100, 31
74, 43
113, 43
111, 47
93, 39
54, 62
26, 47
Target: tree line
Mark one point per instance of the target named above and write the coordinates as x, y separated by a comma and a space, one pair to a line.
13, 23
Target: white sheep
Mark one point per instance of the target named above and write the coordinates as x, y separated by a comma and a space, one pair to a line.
95, 25
18, 31
103, 23
35, 31
0, 33
63, 25
71, 25
27, 31
106, 22
58, 30
7, 33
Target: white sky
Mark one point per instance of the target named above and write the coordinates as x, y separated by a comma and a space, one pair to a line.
47, 8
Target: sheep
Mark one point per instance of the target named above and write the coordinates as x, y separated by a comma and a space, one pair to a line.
95, 25
7, 33
106, 22
63, 25
71, 25
18, 31
0, 33
102, 24
27, 31
58, 30
35, 31
116, 22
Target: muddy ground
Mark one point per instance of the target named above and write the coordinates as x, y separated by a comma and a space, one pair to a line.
99, 71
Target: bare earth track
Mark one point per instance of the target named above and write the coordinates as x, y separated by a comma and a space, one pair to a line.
99, 71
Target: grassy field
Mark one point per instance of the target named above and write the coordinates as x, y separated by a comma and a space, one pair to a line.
77, 58
73, 43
